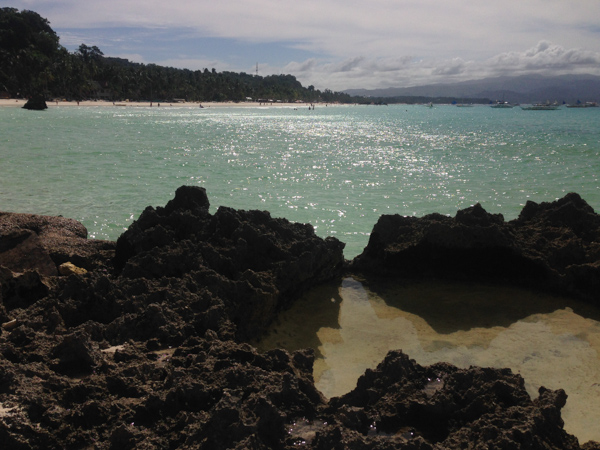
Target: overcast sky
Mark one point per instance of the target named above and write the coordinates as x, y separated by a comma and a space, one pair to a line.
339, 44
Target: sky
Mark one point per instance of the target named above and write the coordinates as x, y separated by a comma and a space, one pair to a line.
339, 44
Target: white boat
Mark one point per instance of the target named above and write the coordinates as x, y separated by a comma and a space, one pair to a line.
502, 105
541, 107
583, 105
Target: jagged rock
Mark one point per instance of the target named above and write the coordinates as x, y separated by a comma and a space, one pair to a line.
552, 246
151, 354
22, 250
76, 353
18, 290
256, 264
61, 239
445, 407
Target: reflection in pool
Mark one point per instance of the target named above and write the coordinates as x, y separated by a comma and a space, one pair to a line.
551, 341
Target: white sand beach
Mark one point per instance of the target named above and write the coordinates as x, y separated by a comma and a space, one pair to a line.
53, 103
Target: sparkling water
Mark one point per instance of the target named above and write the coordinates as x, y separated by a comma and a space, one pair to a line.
336, 167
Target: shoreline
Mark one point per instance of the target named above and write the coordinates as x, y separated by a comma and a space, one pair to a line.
12, 102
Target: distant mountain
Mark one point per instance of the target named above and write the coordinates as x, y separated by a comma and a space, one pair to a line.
520, 89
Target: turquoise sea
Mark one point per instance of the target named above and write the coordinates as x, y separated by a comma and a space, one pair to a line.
336, 167
339, 168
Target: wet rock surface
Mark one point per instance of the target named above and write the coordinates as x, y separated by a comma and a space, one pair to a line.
146, 347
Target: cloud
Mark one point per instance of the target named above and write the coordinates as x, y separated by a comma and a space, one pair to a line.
345, 28
546, 56
340, 43
301, 67
394, 64
454, 67
348, 65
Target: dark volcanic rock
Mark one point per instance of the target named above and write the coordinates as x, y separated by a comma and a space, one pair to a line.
254, 263
42, 243
149, 353
550, 246
37, 102
18, 290
22, 250
206, 394
443, 407
565, 235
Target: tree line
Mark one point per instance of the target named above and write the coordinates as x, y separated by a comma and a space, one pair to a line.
32, 62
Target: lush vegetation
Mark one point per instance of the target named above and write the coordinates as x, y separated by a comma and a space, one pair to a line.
28, 50
32, 62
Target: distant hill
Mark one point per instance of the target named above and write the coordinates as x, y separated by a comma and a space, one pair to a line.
520, 89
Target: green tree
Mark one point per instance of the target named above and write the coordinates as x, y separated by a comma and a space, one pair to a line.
28, 46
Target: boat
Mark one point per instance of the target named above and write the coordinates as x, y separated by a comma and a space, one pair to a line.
541, 107
583, 105
502, 105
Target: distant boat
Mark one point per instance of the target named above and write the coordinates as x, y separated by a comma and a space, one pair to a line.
502, 105
541, 107
583, 105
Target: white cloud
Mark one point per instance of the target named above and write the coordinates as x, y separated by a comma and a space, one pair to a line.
303, 67
545, 58
342, 27
454, 67
353, 43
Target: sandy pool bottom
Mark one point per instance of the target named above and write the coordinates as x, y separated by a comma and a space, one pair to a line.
551, 341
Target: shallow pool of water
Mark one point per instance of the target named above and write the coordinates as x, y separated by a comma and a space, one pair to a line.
551, 341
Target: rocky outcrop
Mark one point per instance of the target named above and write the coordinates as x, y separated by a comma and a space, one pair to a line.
147, 351
443, 407
252, 262
33, 249
43, 243
145, 346
36, 102
554, 246
565, 235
